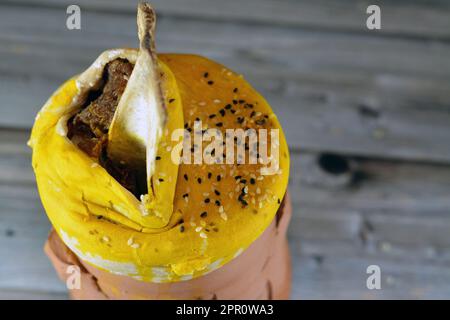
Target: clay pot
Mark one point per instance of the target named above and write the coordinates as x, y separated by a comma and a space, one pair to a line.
262, 271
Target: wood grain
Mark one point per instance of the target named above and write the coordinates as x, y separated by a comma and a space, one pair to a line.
350, 15
11, 294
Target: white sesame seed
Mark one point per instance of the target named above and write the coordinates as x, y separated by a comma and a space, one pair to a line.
203, 235
198, 229
224, 216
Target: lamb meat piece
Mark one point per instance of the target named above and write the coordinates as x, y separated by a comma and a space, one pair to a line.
89, 128
99, 113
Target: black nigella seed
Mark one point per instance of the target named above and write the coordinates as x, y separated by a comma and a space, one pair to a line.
240, 120
235, 90
171, 100
241, 101
206, 74
278, 200
244, 181
209, 175
219, 124
181, 228
185, 177
235, 102
217, 202
212, 116
199, 180
238, 177
161, 180
207, 200
210, 82
260, 122
217, 192
222, 112
158, 158
185, 195
252, 114
218, 178
233, 111
204, 214
228, 106
252, 181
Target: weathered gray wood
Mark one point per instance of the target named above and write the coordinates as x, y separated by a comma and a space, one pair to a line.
341, 92
15, 158
23, 229
338, 277
399, 17
374, 185
280, 49
6, 294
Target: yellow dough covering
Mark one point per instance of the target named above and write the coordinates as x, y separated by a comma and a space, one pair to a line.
165, 236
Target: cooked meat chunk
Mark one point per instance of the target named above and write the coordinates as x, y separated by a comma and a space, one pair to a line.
99, 113
89, 128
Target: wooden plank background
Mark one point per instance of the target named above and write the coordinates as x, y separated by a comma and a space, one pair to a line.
373, 105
